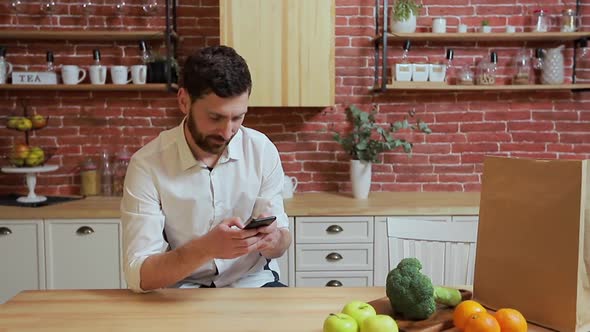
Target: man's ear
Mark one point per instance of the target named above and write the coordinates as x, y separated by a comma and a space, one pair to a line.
184, 101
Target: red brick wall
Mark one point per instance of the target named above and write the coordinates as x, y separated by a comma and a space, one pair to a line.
466, 126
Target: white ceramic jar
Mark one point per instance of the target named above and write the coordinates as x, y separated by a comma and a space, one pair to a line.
420, 72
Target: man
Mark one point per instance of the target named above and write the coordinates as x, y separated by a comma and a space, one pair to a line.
189, 192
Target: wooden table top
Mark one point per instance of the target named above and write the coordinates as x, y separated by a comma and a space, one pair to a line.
213, 309
305, 204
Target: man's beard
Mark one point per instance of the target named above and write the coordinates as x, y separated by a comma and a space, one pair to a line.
213, 144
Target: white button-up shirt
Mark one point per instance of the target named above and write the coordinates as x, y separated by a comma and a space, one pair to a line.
167, 189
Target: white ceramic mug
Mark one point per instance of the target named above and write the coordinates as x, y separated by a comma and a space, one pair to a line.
5, 70
439, 25
289, 186
120, 74
462, 28
70, 74
98, 74
138, 74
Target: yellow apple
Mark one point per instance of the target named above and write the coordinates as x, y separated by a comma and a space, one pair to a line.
24, 124
12, 122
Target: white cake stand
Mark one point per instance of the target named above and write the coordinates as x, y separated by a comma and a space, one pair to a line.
31, 173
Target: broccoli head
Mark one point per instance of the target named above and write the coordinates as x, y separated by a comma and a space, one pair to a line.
412, 294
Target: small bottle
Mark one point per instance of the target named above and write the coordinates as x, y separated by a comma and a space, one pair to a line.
121, 164
450, 75
96, 57
49, 58
145, 52
486, 70
89, 180
569, 20
5, 67
538, 65
106, 176
403, 69
541, 20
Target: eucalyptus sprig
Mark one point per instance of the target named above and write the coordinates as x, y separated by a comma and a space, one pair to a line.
360, 144
403, 8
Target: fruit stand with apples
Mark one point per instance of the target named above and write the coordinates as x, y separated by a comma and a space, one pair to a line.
27, 159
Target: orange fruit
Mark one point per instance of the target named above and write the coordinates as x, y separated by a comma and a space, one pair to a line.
511, 320
464, 310
482, 322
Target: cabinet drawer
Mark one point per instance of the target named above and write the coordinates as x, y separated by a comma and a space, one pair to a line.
82, 255
334, 229
334, 257
21, 256
336, 279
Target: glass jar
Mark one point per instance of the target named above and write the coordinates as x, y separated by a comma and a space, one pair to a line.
541, 20
486, 70
89, 179
120, 171
568, 20
465, 76
522, 68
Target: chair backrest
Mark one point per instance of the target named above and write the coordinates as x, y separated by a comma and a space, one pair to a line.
446, 248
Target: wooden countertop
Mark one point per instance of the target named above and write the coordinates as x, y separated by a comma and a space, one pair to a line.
306, 204
212, 309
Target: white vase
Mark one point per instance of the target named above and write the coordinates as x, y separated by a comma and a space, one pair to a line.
360, 176
406, 26
553, 66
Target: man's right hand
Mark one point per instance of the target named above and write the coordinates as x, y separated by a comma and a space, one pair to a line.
225, 241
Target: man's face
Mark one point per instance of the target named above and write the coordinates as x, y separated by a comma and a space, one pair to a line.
213, 121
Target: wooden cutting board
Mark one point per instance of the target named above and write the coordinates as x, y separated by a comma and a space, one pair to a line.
441, 320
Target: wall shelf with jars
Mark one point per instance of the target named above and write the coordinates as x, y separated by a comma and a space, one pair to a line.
403, 75
159, 72
88, 87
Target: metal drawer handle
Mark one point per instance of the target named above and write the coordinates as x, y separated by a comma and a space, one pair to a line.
5, 231
85, 230
333, 283
334, 229
334, 256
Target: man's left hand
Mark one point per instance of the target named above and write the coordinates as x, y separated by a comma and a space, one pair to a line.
271, 237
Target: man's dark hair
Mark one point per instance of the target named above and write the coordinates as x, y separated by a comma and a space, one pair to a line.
217, 69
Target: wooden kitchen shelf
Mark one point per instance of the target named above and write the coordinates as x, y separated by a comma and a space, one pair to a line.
435, 86
88, 35
86, 87
480, 36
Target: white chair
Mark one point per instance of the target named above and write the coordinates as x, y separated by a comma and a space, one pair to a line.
445, 248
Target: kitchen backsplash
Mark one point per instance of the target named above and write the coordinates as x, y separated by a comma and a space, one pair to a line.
466, 126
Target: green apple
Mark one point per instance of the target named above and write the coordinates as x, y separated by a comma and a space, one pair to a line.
379, 323
38, 121
36, 157
24, 124
340, 323
359, 310
18, 162
12, 122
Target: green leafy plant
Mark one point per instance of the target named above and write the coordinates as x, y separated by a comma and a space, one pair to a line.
367, 139
403, 8
485, 23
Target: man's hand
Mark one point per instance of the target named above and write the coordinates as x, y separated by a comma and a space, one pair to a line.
270, 238
226, 242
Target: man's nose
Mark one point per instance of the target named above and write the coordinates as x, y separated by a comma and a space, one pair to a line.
227, 130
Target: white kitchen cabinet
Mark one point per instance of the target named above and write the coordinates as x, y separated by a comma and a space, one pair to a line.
334, 251
381, 252
287, 261
21, 257
444, 245
83, 254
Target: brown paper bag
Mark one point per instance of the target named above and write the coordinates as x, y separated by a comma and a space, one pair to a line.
533, 242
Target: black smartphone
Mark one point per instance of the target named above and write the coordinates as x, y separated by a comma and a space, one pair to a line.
260, 222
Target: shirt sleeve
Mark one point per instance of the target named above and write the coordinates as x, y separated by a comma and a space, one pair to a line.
272, 184
142, 220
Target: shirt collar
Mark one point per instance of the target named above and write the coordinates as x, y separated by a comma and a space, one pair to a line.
188, 160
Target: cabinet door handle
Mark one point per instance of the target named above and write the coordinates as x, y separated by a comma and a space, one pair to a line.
333, 283
85, 230
334, 256
335, 229
5, 231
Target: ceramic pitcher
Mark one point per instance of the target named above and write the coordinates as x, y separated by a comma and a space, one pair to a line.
289, 186
553, 71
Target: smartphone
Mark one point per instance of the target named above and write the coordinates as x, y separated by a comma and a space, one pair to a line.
260, 222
